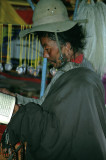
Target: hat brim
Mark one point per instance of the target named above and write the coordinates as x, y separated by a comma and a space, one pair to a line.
52, 27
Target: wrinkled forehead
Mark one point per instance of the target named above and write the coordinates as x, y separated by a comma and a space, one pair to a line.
41, 34
46, 41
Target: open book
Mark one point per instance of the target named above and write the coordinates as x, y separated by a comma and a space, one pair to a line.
7, 104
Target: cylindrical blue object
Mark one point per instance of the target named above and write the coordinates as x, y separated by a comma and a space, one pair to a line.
75, 10
43, 81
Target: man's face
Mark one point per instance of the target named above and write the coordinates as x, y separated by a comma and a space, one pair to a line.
51, 51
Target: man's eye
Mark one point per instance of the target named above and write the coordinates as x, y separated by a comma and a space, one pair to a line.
47, 49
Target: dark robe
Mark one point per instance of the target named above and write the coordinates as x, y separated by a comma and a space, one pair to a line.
69, 125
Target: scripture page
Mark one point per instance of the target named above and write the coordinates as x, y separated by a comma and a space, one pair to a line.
7, 104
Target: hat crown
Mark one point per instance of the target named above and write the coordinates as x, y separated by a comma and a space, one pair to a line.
50, 16
49, 11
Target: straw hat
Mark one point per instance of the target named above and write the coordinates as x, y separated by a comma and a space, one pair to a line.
50, 16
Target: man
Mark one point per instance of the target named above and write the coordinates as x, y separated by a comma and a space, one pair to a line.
69, 122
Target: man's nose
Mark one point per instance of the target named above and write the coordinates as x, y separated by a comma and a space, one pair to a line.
45, 54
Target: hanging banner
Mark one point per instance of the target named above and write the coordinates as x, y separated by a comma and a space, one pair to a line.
9, 15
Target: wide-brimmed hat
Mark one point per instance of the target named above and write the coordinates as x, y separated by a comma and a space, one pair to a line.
50, 16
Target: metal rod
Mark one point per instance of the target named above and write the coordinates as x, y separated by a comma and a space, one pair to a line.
31, 4
75, 10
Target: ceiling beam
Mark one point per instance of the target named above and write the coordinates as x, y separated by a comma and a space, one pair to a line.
19, 3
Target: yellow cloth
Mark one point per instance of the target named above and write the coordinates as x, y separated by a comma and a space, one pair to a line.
8, 15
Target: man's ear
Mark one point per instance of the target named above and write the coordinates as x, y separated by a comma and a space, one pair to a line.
66, 49
68, 46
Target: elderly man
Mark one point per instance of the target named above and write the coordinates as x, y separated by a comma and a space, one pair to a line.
69, 121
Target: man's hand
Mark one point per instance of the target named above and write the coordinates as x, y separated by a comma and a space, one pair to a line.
4, 90
16, 108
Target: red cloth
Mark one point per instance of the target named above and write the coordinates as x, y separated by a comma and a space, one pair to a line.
26, 15
36, 80
2, 129
78, 59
